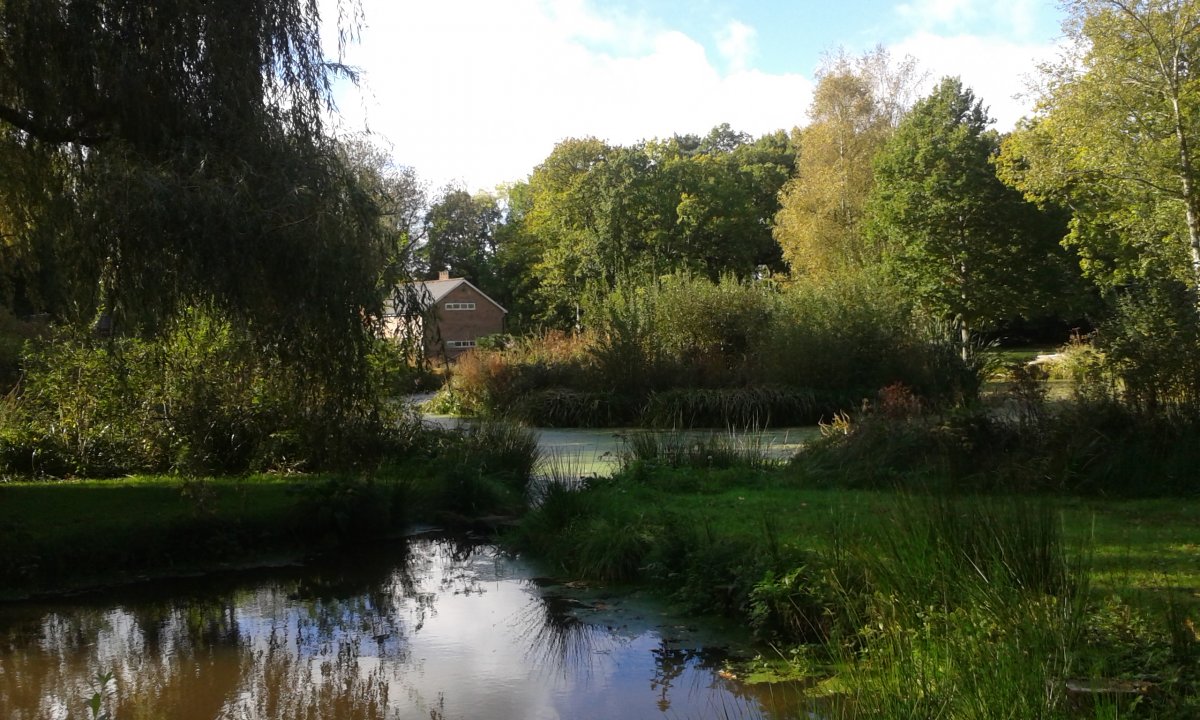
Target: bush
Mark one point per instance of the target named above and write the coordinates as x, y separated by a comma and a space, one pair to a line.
686, 351
1151, 345
200, 399
14, 334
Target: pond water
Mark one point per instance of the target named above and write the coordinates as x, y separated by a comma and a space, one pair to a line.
597, 451
432, 628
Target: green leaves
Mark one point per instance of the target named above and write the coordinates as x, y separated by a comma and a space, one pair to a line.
694, 204
967, 246
95, 704
166, 156
1115, 135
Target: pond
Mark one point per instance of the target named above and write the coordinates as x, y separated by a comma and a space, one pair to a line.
431, 628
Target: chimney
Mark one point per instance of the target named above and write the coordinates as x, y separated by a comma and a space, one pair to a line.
443, 275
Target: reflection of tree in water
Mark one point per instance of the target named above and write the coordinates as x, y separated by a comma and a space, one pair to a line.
199, 656
37, 657
556, 639
333, 644
47, 672
278, 684
670, 663
702, 665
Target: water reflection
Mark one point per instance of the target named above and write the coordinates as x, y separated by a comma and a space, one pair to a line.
435, 629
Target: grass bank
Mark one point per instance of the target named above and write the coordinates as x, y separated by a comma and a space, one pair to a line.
907, 604
58, 535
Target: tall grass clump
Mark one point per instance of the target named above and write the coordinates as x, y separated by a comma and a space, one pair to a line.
684, 449
485, 469
594, 531
759, 406
559, 471
975, 610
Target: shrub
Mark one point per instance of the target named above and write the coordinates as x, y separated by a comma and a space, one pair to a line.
202, 398
1151, 344
682, 350
14, 334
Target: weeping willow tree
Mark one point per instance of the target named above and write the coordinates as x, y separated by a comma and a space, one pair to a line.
156, 156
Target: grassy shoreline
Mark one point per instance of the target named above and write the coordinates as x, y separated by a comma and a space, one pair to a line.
908, 595
72, 535
64, 535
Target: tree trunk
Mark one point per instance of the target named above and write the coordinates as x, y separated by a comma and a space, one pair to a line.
1191, 203
964, 338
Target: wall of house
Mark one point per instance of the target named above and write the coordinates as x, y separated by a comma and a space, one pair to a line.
466, 325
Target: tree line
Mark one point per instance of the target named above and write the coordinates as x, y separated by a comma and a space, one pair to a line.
194, 167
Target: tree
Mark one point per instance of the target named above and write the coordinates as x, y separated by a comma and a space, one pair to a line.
598, 212
184, 161
967, 246
855, 107
1115, 137
399, 194
460, 235
724, 194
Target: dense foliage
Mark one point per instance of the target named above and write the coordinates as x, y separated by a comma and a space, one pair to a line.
199, 398
595, 213
856, 106
964, 244
160, 157
1114, 136
688, 351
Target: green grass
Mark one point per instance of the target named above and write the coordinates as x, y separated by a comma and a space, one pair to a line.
63, 534
1010, 355
1134, 544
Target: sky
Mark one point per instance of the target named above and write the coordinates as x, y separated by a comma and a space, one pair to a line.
478, 92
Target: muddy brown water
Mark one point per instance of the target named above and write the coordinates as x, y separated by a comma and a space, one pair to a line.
432, 628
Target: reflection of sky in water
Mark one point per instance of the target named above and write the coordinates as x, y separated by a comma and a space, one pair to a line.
458, 632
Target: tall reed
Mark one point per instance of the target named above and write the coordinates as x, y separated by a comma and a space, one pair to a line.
975, 611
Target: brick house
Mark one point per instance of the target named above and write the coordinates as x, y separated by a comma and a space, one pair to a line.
455, 315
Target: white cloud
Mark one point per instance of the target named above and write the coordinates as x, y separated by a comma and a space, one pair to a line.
937, 13
996, 69
1017, 20
736, 43
479, 92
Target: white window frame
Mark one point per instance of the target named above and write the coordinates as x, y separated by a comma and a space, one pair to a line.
460, 344
459, 306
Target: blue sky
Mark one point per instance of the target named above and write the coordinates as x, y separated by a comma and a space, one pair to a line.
477, 92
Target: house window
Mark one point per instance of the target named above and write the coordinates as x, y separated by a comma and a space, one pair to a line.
460, 343
460, 306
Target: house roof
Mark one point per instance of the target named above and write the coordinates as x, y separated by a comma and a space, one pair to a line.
435, 290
